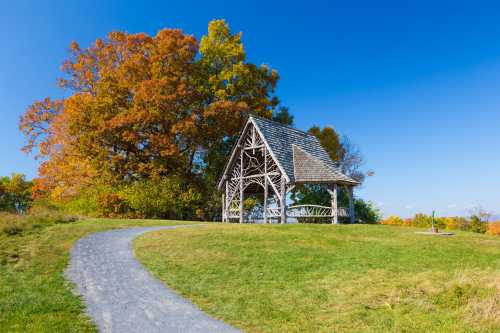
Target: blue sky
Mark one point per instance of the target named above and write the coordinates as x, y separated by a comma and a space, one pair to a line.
415, 86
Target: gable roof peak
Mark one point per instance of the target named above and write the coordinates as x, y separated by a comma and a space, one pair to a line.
275, 123
281, 140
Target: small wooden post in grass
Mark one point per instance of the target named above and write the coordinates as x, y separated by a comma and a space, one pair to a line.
433, 222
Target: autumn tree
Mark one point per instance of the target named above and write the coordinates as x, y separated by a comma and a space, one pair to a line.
143, 107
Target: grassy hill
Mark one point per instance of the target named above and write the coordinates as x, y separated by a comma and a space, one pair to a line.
324, 278
34, 251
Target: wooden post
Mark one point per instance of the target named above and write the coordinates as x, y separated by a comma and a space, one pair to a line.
283, 200
227, 205
266, 187
335, 210
241, 186
350, 191
223, 216
434, 222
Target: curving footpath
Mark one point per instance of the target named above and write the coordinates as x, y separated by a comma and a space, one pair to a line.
121, 296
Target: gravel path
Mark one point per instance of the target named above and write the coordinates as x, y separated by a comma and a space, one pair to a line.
121, 296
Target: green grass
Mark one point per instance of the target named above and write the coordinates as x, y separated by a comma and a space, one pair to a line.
34, 296
324, 278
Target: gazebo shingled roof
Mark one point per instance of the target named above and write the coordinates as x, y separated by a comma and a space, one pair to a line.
284, 141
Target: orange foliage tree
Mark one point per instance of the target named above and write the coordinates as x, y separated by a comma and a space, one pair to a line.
494, 228
143, 107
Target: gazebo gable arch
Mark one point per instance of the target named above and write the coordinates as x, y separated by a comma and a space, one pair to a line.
250, 137
251, 165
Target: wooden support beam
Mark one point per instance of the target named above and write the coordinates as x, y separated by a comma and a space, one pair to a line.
283, 200
254, 147
227, 204
241, 187
266, 194
223, 208
256, 176
334, 202
350, 192
266, 188
278, 193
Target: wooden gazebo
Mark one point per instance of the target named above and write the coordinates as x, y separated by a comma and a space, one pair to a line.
272, 158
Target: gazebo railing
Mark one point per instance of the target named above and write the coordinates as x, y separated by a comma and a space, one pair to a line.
296, 211
314, 211
273, 212
255, 214
233, 213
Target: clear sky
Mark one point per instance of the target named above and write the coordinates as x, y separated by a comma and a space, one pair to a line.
414, 84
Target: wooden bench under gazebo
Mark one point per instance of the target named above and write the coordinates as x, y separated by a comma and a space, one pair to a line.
271, 159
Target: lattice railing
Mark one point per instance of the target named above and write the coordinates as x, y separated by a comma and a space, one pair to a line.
297, 211
233, 213
255, 214
273, 212
314, 211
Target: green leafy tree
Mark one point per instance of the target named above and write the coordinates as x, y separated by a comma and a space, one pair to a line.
15, 193
479, 220
477, 225
367, 212
164, 198
283, 115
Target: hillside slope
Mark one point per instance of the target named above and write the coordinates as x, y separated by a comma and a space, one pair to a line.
323, 278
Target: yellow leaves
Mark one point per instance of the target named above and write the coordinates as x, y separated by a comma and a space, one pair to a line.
393, 220
221, 94
220, 42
